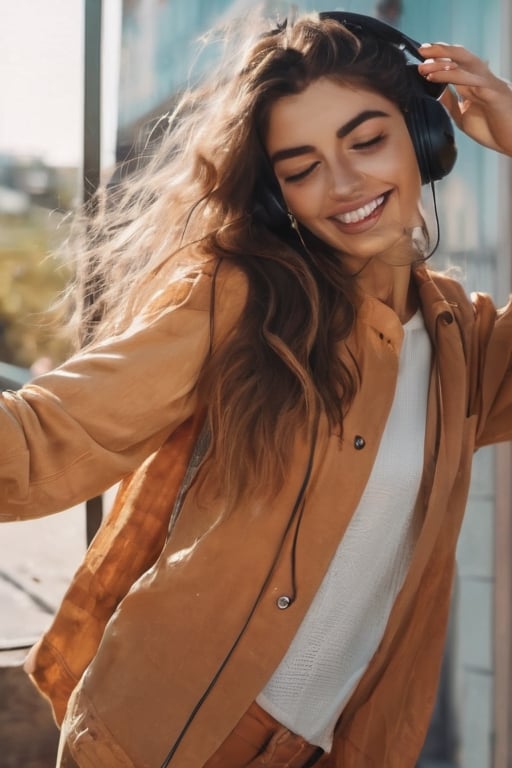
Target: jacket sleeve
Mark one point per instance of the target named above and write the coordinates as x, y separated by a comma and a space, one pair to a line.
72, 433
493, 355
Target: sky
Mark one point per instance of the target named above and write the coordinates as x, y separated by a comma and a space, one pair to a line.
41, 78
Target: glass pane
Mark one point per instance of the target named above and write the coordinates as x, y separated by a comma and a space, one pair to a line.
41, 95
40, 156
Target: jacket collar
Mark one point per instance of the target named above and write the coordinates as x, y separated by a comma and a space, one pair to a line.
434, 303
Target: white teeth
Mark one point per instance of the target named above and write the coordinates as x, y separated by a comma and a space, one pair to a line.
360, 213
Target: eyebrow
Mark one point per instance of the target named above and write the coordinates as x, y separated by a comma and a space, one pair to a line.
348, 127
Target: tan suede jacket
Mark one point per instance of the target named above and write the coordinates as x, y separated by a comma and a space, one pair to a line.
198, 635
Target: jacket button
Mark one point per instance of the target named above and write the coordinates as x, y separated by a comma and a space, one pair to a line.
359, 443
283, 602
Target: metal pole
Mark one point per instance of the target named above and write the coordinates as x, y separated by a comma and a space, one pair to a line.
92, 99
92, 164
503, 521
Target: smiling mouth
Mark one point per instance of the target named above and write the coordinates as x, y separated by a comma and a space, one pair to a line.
362, 213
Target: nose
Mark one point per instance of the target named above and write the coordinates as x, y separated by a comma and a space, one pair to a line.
346, 179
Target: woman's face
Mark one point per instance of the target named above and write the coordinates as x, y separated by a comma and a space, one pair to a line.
346, 166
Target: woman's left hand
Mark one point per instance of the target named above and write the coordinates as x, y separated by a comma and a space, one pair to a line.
483, 109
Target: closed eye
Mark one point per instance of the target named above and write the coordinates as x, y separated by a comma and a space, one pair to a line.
370, 143
302, 174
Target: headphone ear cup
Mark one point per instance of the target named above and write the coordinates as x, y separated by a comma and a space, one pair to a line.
270, 211
269, 205
433, 137
429, 124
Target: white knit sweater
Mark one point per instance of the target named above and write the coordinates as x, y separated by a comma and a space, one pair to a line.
347, 618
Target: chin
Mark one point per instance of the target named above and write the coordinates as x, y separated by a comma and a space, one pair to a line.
396, 247
364, 254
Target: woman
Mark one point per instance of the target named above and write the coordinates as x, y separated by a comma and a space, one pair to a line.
263, 283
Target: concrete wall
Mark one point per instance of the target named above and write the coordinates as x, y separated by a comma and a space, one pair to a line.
473, 620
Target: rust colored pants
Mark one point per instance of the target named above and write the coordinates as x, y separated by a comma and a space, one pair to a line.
257, 741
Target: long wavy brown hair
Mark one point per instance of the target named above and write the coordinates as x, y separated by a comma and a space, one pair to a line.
203, 195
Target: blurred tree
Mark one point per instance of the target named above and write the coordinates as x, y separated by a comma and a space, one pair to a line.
31, 280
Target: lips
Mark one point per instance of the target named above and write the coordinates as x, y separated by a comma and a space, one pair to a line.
363, 215
360, 213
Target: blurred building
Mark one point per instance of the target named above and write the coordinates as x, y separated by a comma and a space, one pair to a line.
472, 721
29, 177
26, 180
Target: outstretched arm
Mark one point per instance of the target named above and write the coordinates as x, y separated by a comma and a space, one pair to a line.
77, 430
480, 103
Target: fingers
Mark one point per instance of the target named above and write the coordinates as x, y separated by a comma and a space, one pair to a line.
451, 102
441, 57
456, 65
450, 72
456, 53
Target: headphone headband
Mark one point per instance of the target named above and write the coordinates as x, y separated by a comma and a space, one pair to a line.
359, 23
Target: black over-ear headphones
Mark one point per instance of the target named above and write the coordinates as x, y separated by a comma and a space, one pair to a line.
428, 122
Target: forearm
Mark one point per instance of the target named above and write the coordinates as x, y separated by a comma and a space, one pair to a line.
74, 432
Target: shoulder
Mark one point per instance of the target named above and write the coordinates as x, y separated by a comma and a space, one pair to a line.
467, 307
478, 303
230, 285
451, 288
476, 313
216, 284
212, 294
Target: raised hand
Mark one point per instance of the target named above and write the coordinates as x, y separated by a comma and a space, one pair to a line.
481, 104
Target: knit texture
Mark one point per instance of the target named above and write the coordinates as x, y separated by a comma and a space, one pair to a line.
347, 618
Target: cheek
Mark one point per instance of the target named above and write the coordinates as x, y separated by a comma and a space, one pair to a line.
400, 170
408, 162
397, 165
411, 183
303, 201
